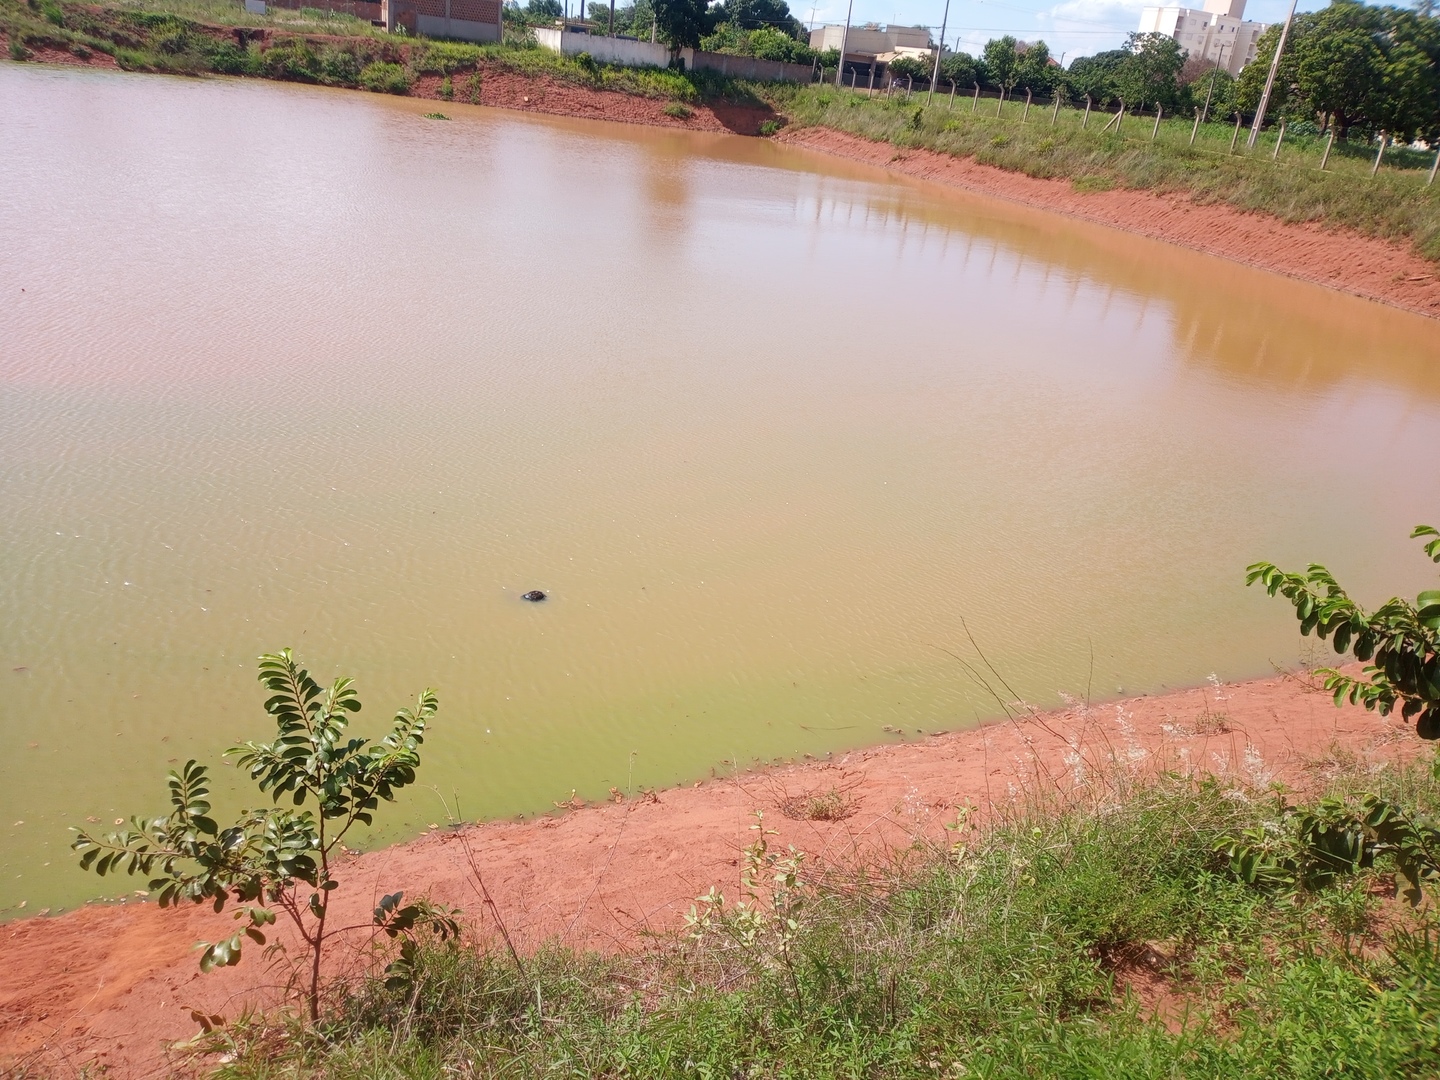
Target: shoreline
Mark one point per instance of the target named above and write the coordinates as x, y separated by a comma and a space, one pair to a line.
112, 984
1381, 271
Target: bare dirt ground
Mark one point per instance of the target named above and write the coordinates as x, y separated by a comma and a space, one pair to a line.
508, 90
1339, 259
112, 985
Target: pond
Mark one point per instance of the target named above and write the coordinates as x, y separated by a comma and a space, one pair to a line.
778, 436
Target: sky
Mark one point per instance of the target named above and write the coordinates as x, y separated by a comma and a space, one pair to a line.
1072, 27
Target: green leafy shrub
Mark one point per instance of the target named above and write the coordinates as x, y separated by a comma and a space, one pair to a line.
385, 78
447, 89
1093, 183
1400, 641
281, 860
677, 110
18, 51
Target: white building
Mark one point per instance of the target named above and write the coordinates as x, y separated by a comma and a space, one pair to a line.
868, 44
1217, 32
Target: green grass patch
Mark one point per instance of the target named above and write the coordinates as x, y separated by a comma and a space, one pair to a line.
1395, 205
1032, 949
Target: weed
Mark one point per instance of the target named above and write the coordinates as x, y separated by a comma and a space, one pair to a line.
1000, 140
447, 89
384, 78
1092, 183
832, 805
770, 127
677, 110
18, 51
436, 116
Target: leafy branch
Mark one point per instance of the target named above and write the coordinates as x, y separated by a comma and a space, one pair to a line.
280, 858
1398, 640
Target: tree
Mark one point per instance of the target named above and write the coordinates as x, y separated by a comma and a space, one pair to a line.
909, 67
281, 858
1096, 75
1149, 74
754, 14
1033, 70
1002, 62
1398, 640
1336, 64
680, 23
959, 68
544, 9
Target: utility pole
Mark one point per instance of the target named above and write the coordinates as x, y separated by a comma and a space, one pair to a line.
844, 40
1205, 112
939, 52
1270, 79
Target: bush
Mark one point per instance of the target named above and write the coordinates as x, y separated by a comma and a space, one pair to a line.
678, 111
18, 51
385, 78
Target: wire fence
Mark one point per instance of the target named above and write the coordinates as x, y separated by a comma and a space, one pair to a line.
1200, 131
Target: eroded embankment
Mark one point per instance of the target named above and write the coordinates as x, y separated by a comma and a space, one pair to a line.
110, 985
1339, 259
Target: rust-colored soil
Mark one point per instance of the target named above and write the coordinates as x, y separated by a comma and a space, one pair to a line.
47, 54
1341, 259
113, 984
509, 90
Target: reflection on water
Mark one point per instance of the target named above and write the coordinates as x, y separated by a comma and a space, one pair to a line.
301, 367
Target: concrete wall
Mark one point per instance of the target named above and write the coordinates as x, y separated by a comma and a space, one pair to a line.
747, 67
605, 50
361, 9
623, 51
467, 20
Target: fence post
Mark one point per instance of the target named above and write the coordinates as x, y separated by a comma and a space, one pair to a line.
1086, 121
1026, 115
1159, 111
1056, 114
1236, 137
909, 85
1434, 168
976, 103
1376, 167
1120, 116
1000, 104
870, 92
1279, 138
952, 95
1196, 129
1328, 143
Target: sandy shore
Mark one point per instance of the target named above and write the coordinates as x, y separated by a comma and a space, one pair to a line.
111, 985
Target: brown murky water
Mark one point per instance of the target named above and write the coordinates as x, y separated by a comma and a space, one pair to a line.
284, 366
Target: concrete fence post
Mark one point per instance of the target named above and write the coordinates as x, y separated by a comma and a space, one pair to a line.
1196, 129
1325, 157
1236, 137
1375, 168
1086, 121
1056, 114
1279, 138
1433, 168
1159, 112
1026, 114
975, 104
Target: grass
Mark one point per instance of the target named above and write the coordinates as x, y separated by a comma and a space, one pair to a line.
1394, 205
1099, 936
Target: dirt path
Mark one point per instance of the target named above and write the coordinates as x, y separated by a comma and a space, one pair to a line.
111, 985
1375, 269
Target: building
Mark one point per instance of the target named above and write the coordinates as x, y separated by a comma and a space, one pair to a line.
868, 46
1218, 32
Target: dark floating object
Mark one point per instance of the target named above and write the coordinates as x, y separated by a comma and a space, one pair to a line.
534, 596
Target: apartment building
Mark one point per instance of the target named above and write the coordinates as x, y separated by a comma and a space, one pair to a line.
1218, 32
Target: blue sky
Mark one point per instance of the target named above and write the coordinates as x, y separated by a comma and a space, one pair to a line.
1073, 27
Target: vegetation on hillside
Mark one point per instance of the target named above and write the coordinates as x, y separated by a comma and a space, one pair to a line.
1124, 932
1393, 205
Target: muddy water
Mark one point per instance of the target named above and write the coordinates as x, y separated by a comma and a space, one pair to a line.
284, 366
